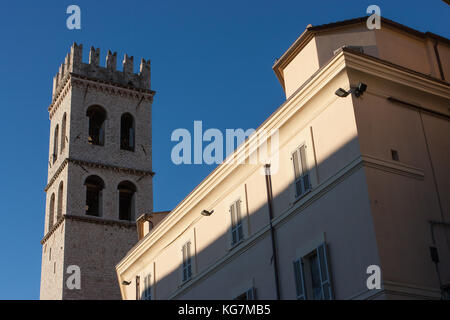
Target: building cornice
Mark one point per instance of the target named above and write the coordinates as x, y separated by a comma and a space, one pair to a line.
390, 71
111, 88
56, 174
397, 288
98, 165
52, 229
109, 222
59, 96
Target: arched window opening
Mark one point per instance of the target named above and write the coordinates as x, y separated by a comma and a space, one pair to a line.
127, 132
63, 132
94, 186
55, 143
51, 211
97, 117
127, 192
60, 200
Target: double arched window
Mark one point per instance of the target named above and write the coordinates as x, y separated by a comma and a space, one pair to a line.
94, 186
96, 135
53, 216
94, 198
97, 117
63, 132
127, 192
55, 143
60, 201
127, 132
51, 212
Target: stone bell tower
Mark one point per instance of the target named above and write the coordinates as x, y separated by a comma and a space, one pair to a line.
99, 173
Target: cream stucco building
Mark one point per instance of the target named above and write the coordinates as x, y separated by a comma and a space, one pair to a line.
361, 179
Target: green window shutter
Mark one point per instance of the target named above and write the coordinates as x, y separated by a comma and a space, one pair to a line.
325, 279
299, 279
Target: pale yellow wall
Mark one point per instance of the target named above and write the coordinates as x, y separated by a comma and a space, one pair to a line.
388, 43
298, 232
303, 66
404, 49
333, 128
355, 35
369, 209
403, 193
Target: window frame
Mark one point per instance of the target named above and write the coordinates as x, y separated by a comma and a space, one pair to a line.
236, 223
60, 203
97, 187
63, 133
51, 211
250, 294
146, 293
304, 176
131, 134
55, 143
186, 266
326, 284
127, 191
299, 276
101, 137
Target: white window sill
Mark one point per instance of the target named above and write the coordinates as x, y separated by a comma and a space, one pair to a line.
298, 198
183, 282
235, 245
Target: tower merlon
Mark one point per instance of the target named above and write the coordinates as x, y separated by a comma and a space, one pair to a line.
73, 64
76, 57
127, 64
111, 60
94, 57
144, 71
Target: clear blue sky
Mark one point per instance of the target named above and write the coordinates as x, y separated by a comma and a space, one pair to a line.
211, 61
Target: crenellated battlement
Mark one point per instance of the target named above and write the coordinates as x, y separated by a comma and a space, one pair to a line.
74, 64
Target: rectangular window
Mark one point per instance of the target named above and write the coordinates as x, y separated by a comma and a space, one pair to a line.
247, 295
187, 261
302, 181
312, 275
237, 233
147, 292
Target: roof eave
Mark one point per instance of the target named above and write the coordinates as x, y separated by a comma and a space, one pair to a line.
310, 31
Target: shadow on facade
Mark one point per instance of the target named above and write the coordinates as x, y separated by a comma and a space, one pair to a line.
337, 214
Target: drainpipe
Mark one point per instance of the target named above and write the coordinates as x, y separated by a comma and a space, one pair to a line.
138, 287
436, 52
272, 230
434, 253
433, 250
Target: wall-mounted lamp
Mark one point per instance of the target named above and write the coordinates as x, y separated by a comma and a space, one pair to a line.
358, 91
342, 93
126, 283
207, 213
